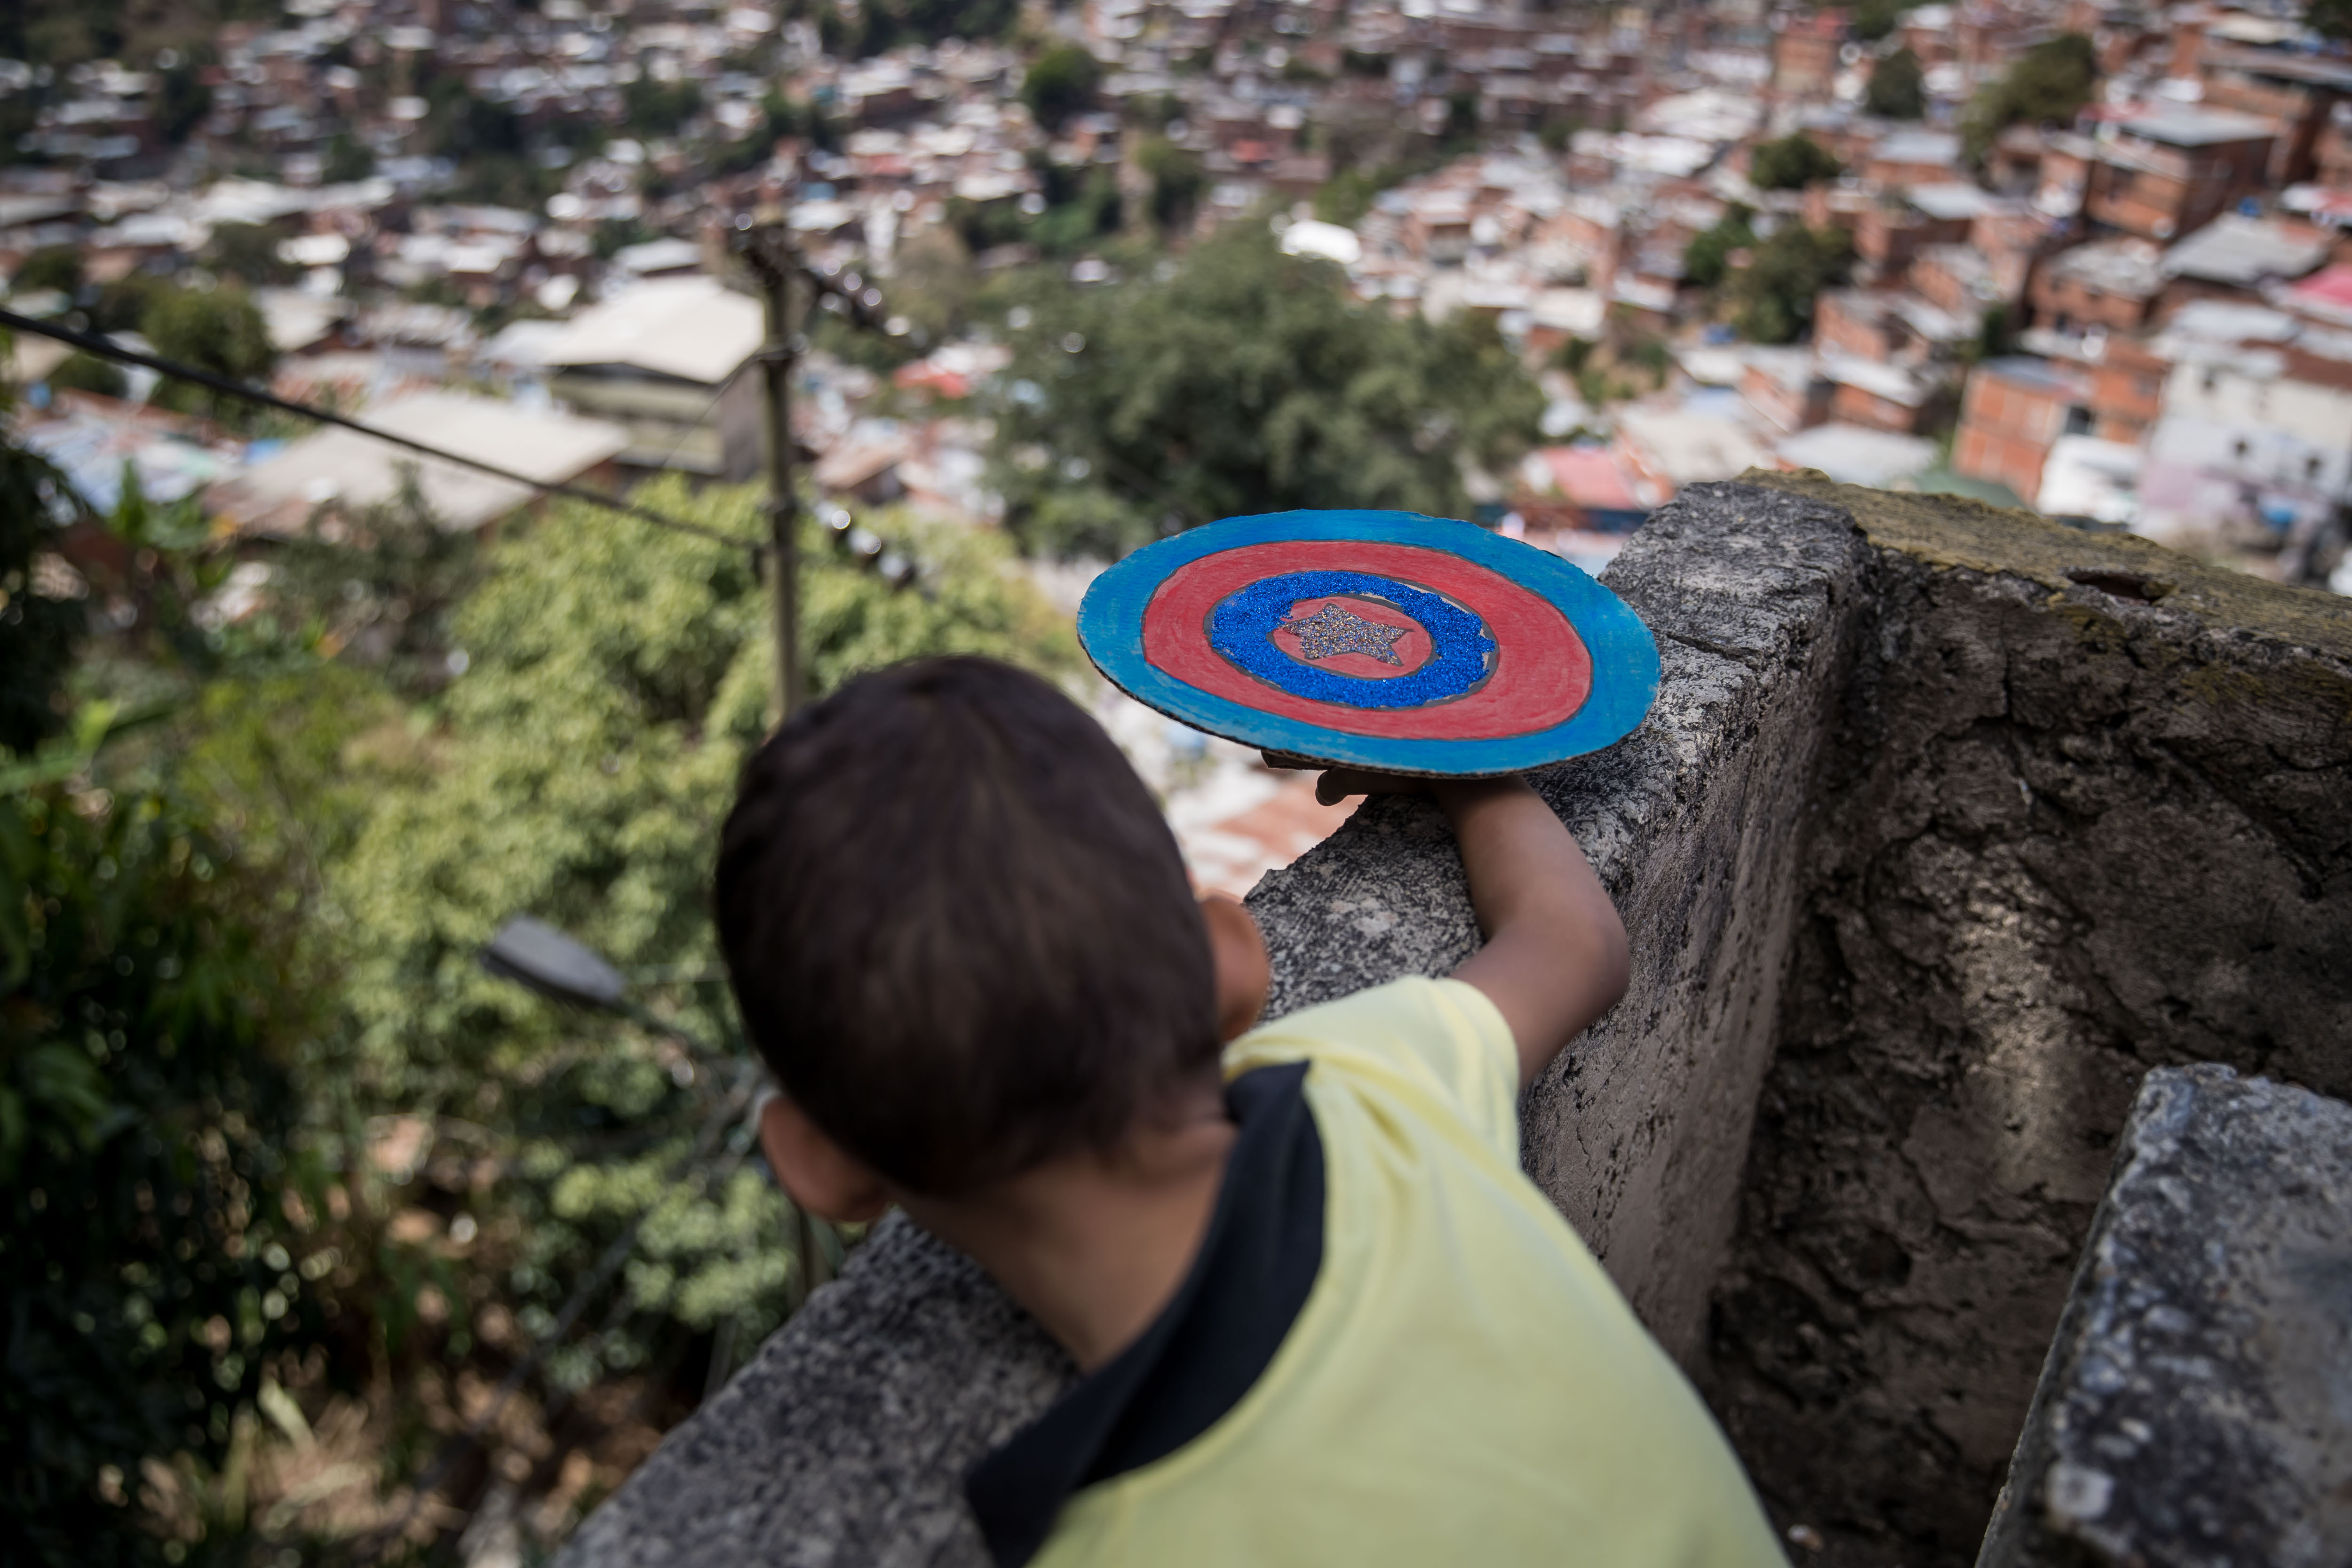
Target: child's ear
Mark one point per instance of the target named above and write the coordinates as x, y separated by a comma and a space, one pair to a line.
1243, 973
822, 1176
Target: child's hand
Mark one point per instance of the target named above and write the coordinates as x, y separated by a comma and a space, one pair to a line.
1555, 957
1338, 784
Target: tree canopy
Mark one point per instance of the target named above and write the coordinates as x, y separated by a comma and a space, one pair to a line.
1874, 19
1245, 380
1776, 291
2048, 86
1706, 261
266, 1130
1060, 83
218, 329
1791, 164
1898, 87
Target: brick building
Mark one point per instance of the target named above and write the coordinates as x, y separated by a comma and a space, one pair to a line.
1879, 397
2167, 172
2294, 95
1959, 279
2011, 413
1898, 227
2112, 283
2237, 258
1786, 386
1890, 326
1805, 55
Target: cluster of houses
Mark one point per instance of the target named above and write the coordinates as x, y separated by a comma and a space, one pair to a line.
2138, 317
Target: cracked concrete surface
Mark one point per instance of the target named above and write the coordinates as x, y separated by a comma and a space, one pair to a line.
1969, 841
2061, 837
2196, 1410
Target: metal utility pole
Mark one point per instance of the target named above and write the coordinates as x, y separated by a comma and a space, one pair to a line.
777, 263
771, 263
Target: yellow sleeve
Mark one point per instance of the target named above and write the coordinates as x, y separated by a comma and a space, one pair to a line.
1441, 1037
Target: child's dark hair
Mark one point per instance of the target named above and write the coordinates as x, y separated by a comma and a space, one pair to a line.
959, 928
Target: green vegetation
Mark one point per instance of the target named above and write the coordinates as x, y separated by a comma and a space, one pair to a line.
1061, 82
1246, 381
2047, 86
269, 1136
1347, 197
661, 108
1874, 19
87, 372
181, 99
37, 632
1898, 87
346, 160
54, 267
1708, 258
1774, 293
1462, 125
1791, 164
2329, 18
1995, 335
62, 33
218, 329
248, 253
871, 26
1177, 181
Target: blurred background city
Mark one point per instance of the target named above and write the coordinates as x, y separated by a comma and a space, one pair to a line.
327, 1243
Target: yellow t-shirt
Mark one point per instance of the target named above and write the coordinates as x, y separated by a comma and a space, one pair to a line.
1464, 1383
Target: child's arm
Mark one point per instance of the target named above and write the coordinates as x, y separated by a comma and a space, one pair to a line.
1555, 957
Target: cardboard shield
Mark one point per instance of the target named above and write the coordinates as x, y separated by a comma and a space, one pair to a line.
1374, 639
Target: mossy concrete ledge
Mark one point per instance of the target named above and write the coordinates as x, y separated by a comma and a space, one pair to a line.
1820, 841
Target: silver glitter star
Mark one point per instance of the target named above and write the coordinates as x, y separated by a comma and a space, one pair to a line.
1334, 630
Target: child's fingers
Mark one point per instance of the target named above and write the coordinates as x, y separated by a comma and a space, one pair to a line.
1338, 784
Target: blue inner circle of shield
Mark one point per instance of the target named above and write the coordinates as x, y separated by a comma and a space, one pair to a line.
1461, 656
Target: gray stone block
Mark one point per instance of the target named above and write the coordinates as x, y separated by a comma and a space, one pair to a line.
2196, 1410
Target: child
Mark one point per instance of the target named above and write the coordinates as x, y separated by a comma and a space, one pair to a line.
1320, 1314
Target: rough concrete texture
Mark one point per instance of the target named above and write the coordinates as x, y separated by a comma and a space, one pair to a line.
845, 1439
1978, 818
2196, 1409
2086, 810
1640, 1129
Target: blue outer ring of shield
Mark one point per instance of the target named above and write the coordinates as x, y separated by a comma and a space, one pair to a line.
1624, 655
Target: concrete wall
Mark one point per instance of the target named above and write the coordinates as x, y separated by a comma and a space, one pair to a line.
1947, 824
1640, 1129
2196, 1405
2064, 834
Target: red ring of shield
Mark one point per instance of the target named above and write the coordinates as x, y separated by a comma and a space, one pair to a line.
1543, 674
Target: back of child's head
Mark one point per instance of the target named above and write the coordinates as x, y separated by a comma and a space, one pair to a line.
959, 928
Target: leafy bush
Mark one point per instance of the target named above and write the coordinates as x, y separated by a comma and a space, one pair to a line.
151, 1269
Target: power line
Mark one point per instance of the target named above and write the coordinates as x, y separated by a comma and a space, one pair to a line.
106, 348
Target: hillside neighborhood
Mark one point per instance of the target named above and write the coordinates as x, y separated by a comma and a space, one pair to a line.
2085, 257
